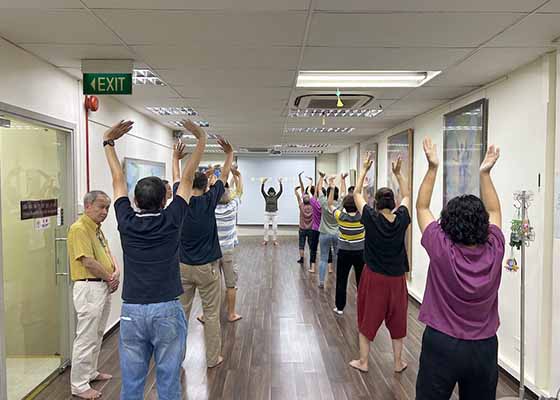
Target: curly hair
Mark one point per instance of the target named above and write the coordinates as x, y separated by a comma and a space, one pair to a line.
465, 220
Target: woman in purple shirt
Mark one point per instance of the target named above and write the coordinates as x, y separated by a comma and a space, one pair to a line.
460, 307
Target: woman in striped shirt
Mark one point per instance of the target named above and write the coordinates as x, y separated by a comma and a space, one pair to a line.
351, 236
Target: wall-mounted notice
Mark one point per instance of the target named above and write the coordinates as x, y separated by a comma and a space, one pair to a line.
42, 223
38, 208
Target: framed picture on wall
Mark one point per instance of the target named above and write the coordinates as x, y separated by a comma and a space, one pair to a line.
401, 145
371, 177
465, 135
135, 169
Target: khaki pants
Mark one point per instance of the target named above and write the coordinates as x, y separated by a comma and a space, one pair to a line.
92, 302
207, 279
229, 268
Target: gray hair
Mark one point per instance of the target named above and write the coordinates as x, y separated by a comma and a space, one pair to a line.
90, 197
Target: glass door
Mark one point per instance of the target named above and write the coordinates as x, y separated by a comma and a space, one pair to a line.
35, 210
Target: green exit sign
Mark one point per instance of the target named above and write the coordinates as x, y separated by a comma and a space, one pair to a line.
107, 83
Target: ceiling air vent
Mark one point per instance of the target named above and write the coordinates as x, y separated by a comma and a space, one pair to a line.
254, 150
329, 101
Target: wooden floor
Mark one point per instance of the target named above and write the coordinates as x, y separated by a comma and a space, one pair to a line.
289, 345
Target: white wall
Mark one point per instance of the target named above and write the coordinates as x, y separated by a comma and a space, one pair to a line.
33, 85
518, 115
327, 163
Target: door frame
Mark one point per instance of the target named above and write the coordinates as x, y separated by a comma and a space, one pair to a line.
71, 215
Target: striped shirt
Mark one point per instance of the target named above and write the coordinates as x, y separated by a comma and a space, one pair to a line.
351, 234
226, 219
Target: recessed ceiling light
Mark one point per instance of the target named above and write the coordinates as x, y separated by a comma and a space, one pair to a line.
319, 130
208, 145
172, 111
203, 124
354, 79
334, 113
189, 136
146, 77
307, 146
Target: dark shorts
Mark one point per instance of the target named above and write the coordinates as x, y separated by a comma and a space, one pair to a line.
382, 298
446, 361
305, 234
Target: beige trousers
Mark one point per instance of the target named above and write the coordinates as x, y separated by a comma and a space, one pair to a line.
205, 278
92, 302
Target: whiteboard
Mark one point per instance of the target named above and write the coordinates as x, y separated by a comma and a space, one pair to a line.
251, 211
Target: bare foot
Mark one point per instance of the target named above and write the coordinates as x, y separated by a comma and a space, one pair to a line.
89, 394
311, 270
362, 367
401, 367
102, 377
275, 243
220, 361
264, 243
234, 318
330, 268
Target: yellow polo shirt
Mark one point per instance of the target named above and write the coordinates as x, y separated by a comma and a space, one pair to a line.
86, 239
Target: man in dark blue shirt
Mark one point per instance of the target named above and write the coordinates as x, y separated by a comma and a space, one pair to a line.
200, 253
152, 318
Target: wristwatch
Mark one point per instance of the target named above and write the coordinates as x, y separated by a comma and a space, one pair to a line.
109, 142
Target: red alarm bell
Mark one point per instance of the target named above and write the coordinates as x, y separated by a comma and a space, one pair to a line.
92, 103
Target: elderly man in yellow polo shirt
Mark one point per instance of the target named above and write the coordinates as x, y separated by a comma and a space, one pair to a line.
96, 276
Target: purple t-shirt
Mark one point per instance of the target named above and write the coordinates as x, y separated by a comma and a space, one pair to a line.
316, 213
461, 298
305, 215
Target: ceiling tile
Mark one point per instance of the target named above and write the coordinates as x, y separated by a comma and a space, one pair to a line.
217, 56
42, 4
53, 26
487, 65
429, 5
381, 58
439, 92
251, 5
71, 55
536, 30
406, 29
178, 27
414, 106
236, 95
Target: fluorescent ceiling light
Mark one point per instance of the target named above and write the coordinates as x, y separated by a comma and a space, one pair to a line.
208, 145
306, 146
363, 79
172, 111
146, 77
319, 130
179, 124
333, 113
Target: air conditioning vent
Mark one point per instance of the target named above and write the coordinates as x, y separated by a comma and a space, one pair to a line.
255, 150
329, 101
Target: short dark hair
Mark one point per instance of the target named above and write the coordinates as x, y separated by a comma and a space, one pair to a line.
349, 204
351, 189
335, 192
465, 220
200, 181
165, 181
312, 190
385, 199
150, 193
271, 190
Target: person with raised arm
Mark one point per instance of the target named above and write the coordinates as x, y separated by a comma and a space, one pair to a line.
305, 218
460, 308
383, 294
271, 210
200, 252
152, 283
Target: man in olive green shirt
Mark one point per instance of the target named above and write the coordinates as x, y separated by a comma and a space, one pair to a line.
96, 276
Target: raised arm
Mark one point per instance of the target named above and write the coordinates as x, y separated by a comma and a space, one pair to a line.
238, 180
403, 184
301, 185
298, 196
185, 184
330, 200
343, 189
281, 188
228, 149
111, 135
423, 212
487, 190
178, 155
262, 188
319, 186
358, 195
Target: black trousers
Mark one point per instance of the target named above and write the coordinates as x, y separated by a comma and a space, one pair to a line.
446, 361
305, 234
313, 245
346, 260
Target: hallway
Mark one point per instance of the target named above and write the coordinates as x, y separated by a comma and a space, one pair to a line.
289, 344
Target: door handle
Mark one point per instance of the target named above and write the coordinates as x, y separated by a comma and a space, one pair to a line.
56, 273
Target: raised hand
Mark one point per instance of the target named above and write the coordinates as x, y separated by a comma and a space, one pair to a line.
344, 175
179, 150
396, 166
321, 174
368, 162
279, 180
226, 146
492, 155
118, 130
430, 150
300, 174
235, 170
193, 128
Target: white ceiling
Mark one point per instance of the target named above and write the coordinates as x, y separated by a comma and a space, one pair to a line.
235, 61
